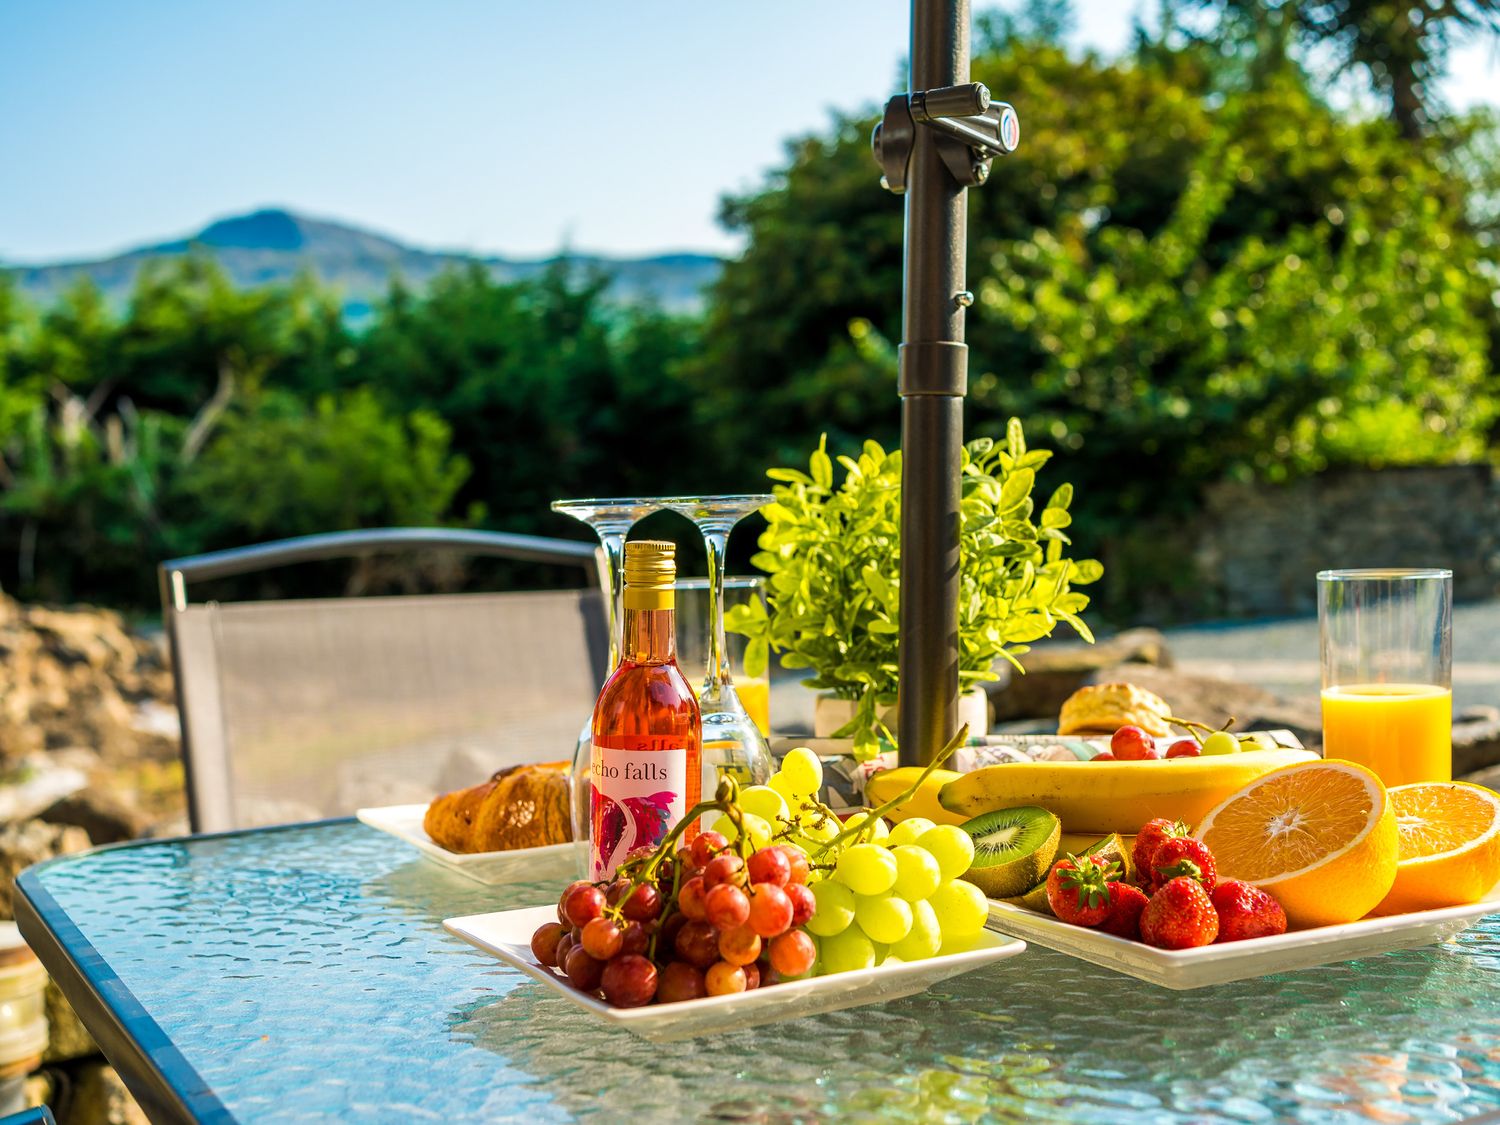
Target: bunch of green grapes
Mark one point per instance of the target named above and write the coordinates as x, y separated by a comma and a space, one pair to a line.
880, 892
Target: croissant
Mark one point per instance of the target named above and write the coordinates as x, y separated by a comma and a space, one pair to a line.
1104, 708
520, 807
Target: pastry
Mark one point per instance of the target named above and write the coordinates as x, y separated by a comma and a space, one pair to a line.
520, 807
1105, 708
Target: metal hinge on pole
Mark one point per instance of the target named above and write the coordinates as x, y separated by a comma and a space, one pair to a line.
972, 130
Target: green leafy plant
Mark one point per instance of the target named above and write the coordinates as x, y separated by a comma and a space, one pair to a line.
833, 555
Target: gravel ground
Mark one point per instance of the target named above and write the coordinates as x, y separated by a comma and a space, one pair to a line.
1282, 656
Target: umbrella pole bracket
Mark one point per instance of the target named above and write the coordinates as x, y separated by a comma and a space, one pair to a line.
972, 130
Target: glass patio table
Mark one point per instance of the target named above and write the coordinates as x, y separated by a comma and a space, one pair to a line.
302, 974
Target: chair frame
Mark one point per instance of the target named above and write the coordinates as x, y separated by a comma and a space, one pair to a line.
174, 576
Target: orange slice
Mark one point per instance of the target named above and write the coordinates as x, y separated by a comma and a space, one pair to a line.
1318, 836
1449, 845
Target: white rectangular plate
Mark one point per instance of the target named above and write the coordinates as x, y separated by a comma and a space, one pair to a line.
507, 934
1237, 960
523, 865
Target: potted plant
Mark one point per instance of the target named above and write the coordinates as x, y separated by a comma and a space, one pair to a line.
832, 560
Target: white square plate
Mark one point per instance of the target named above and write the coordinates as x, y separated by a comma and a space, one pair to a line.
522, 865
507, 934
1237, 960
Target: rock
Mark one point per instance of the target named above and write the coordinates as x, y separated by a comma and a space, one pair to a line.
99, 1097
1212, 701
1478, 713
28, 842
108, 817
1489, 778
1476, 745
68, 1038
1056, 670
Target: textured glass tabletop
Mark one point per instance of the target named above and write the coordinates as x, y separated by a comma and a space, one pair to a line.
303, 974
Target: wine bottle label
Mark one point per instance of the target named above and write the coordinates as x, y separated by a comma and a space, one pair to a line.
640, 792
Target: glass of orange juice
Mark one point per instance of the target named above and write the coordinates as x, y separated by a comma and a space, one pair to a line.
692, 643
1387, 648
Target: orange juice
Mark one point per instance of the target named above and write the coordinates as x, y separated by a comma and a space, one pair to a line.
1404, 732
756, 696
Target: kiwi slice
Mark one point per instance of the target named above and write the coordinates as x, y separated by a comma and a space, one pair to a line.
1013, 848
1035, 899
1113, 847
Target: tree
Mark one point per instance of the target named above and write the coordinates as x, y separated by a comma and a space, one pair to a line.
1400, 45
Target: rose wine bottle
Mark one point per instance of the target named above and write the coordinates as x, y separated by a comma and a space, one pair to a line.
648, 737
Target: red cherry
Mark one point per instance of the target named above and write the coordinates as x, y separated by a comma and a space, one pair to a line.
1103, 756
1132, 744
1184, 748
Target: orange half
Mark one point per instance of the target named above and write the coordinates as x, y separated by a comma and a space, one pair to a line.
1449, 834
1319, 836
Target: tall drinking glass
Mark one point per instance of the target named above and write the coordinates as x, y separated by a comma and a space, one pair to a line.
1387, 646
611, 520
732, 743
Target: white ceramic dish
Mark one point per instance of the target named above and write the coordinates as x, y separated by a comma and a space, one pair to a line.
1238, 960
523, 865
507, 935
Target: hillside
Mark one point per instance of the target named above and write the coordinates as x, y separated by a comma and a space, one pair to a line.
271, 246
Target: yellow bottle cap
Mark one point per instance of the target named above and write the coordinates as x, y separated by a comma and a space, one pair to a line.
650, 564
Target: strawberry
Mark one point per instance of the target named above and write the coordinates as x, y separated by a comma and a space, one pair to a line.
1125, 911
1183, 855
1246, 911
1078, 889
1179, 916
1152, 835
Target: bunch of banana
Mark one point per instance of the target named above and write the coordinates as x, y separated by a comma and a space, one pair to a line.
1098, 798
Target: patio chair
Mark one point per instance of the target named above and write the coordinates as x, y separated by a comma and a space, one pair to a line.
300, 709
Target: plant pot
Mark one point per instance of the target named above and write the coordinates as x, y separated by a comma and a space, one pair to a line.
830, 713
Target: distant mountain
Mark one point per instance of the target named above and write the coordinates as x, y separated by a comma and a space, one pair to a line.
271, 246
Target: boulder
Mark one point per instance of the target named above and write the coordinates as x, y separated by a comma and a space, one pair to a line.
108, 817
1055, 670
1476, 746
28, 842
99, 1097
67, 1037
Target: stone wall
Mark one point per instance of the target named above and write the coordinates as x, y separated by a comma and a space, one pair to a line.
1259, 546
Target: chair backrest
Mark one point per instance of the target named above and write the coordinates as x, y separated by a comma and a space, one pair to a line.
301, 709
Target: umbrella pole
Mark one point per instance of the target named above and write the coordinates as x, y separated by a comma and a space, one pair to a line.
933, 381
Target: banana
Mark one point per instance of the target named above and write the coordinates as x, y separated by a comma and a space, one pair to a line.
881, 787
1103, 797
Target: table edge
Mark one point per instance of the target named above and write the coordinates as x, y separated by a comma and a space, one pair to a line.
155, 1072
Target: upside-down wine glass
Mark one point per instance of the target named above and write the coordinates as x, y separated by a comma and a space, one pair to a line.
732, 743
611, 520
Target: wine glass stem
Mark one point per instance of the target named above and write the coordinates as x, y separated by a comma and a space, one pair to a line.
717, 542
614, 555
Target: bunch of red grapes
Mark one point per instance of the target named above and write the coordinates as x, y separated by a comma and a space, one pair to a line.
705, 922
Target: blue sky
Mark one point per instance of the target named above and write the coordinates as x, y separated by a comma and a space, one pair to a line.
438, 122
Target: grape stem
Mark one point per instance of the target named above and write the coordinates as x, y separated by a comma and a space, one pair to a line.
905, 795
724, 800
1193, 728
